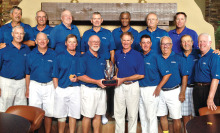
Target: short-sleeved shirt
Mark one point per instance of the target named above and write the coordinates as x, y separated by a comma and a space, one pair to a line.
58, 36
92, 66
207, 68
39, 66
191, 60
129, 63
7, 29
116, 34
154, 70
176, 38
178, 68
106, 38
13, 60
65, 65
155, 38
46, 30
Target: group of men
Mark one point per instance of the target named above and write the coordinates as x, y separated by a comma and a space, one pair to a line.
158, 72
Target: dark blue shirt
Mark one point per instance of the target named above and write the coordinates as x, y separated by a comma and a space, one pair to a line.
92, 66
7, 29
116, 34
12, 61
176, 38
155, 38
154, 70
129, 64
106, 38
207, 68
39, 66
178, 68
65, 65
191, 60
58, 36
46, 30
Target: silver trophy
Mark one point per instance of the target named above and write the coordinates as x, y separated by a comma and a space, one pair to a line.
109, 72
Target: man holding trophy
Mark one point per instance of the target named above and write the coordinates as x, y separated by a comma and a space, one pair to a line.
130, 68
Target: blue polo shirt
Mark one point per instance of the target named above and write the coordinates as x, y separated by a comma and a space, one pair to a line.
191, 60
129, 64
176, 38
12, 61
154, 70
7, 29
58, 36
46, 30
39, 66
116, 34
155, 38
65, 65
1, 36
92, 66
178, 68
106, 38
207, 68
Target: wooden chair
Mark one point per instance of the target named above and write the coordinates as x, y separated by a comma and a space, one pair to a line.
33, 114
206, 111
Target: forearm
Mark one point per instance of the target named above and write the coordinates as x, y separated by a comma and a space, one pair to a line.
112, 54
87, 79
133, 77
27, 80
164, 80
213, 88
184, 83
55, 82
29, 43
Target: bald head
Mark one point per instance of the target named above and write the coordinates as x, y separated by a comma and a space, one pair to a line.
66, 17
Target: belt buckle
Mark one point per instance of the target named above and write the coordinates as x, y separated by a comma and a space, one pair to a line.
43, 84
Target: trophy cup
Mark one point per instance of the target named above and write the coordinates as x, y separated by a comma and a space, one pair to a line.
109, 72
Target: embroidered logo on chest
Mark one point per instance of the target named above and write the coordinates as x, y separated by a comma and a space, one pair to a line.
195, 60
49, 60
204, 63
103, 37
173, 61
147, 63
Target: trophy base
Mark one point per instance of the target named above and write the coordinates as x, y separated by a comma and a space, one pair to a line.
110, 82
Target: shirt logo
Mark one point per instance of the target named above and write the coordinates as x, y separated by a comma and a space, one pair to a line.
102, 63
195, 59
204, 63
118, 62
173, 61
158, 37
49, 60
167, 71
25, 54
148, 63
103, 37
216, 75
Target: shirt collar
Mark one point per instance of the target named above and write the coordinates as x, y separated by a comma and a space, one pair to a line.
98, 31
129, 30
12, 46
90, 54
151, 51
174, 31
72, 26
171, 54
153, 31
38, 52
127, 52
21, 24
209, 52
47, 27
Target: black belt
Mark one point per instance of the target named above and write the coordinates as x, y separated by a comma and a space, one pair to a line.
190, 85
202, 84
128, 82
168, 89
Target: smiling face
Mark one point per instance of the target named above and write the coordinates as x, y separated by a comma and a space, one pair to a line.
166, 45
96, 20
146, 44
94, 43
152, 20
204, 43
18, 35
71, 44
66, 17
126, 41
16, 15
180, 21
41, 18
41, 40
125, 19
186, 43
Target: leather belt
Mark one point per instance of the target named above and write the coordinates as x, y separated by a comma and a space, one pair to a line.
128, 82
190, 85
168, 89
202, 84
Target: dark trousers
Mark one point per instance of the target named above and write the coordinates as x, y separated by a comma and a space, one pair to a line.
200, 96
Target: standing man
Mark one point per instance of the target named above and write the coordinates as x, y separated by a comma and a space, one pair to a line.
207, 74
107, 42
12, 71
130, 68
5, 32
153, 31
40, 89
156, 75
125, 18
91, 73
172, 94
181, 29
41, 18
60, 32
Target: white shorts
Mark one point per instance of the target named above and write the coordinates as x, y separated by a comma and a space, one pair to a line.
67, 102
93, 101
41, 95
169, 100
187, 105
12, 93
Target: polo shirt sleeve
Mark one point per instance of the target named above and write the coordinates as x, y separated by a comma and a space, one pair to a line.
1, 57
30, 33
28, 69
83, 43
162, 67
182, 66
112, 42
81, 68
140, 65
215, 67
55, 73
1, 36
77, 34
195, 40
136, 43
53, 37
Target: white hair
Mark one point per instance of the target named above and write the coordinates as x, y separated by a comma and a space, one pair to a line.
206, 34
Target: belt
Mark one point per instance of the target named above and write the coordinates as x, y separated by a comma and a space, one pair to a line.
202, 84
42, 84
168, 89
190, 85
128, 82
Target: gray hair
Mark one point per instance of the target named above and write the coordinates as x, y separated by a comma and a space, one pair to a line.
41, 11
165, 37
206, 34
150, 14
41, 33
17, 27
15, 7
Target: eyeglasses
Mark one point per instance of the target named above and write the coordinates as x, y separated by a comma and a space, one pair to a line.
145, 42
166, 44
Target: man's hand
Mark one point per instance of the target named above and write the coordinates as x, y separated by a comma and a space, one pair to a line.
210, 104
216, 51
73, 78
2, 45
99, 83
27, 93
182, 97
156, 92
120, 81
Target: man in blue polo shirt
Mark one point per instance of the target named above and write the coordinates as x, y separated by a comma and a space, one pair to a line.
60, 32
153, 31
93, 96
156, 75
125, 18
107, 42
130, 68
41, 18
181, 29
39, 85
5, 32
12, 71
67, 94
172, 94
206, 92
